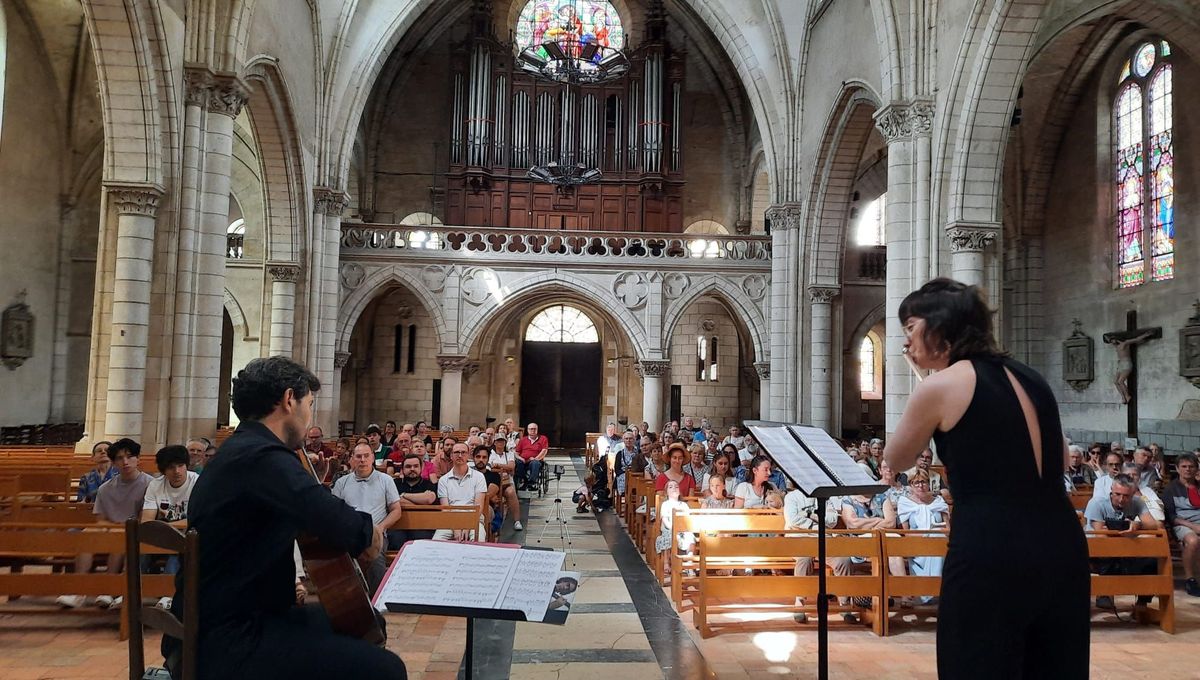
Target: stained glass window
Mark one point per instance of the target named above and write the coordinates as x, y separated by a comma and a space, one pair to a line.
561, 324
1142, 120
571, 24
866, 365
869, 230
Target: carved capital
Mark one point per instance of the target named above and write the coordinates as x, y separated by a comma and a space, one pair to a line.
764, 370
197, 84
329, 201
785, 216
648, 368
284, 273
970, 238
453, 363
341, 360
135, 199
228, 95
823, 294
902, 121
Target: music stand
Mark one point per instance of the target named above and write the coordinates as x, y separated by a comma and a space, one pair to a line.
820, 468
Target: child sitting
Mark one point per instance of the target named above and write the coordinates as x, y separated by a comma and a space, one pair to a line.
582, 497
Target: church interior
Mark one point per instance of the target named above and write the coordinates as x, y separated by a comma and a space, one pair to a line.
668, 218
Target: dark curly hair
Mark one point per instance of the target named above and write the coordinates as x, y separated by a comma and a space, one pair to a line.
259, 387
956, 316
170, 455
131, 448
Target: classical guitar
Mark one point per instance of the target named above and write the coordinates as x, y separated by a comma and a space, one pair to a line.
340, 585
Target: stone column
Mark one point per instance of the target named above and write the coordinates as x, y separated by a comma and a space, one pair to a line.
324, 285
453, 366
903, 124
340, 361
653, 372
283, 306
786, 237
967, 244
764, 389
212, 102
821, 353
137, 206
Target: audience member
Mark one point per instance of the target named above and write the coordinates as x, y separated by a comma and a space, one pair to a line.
688, 425
666, 514
895, 490
800, 512
167, 498
493, 508
461, 485
423, 433
1182, 500
1112, 467
375, 440
621, 460
373, 492
1095, 459
735, 437
531, 453
91, 481
1117, 448
925, 510
752, 493
1143, 457
777, 479
750, 449
388, 438
505, 463
722, 466
412, 490
514, 434
875, 454
606, 442
675, 473
936, 485
1146, 493
1077, 471
582, 497
696, 467
715, 495
196, 449
1122, 511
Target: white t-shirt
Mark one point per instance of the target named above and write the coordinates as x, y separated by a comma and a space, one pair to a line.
171, 503
507, 458
745, 491
461, 490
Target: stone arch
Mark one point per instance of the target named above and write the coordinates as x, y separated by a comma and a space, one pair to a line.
236, 315
287, 203
602, 298
849, 125
375, 283
890, 75
706, 227
124, 40
747, 315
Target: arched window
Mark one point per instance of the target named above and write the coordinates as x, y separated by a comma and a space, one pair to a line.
868, 231
235, 237
1145, 165
870, 366
572, 24
561, 324
706, 358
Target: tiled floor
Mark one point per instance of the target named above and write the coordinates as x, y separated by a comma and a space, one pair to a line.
621, 626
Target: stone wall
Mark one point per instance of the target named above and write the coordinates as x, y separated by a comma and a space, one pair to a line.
718, 401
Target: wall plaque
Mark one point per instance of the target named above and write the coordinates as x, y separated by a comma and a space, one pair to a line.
1078, 358
16, 333
1189, 348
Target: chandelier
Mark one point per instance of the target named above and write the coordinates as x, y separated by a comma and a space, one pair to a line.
573, 63
564, 175
575, 42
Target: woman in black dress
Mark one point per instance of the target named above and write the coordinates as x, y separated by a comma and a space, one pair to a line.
1015, 587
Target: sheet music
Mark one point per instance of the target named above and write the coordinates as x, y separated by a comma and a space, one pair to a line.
832, 456
790, 456
532, 582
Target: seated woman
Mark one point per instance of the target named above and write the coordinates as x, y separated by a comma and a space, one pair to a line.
922, 509
722, 467
715, 497
753, 492
667, 510
675, 473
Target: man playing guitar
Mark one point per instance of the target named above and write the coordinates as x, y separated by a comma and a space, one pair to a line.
248, 507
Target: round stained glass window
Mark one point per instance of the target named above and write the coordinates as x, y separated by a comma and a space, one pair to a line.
570, 24
1143, 61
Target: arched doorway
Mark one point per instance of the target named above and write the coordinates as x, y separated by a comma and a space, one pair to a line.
561, 374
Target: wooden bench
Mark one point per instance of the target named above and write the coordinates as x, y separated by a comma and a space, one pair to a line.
762, 594
62, 541
590, 457
1149, 544
434, 517
52, 481
697, 521
41, 512
906, 544
1080, 499
654, 528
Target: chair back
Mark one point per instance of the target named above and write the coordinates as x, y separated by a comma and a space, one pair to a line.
161, 535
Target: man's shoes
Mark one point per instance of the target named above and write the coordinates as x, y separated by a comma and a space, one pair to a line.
1105, 602
164, 603
117, 602
104, 601
70, 601
517, 526
1191, 587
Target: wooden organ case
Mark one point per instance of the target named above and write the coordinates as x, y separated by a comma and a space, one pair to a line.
505, 121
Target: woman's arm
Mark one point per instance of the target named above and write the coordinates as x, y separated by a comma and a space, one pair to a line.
921, 418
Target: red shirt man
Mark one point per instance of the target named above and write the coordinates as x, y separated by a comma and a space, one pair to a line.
532, 445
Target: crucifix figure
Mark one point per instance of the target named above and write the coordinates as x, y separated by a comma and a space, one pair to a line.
1126, 343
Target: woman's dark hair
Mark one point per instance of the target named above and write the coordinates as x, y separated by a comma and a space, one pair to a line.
759, 460
956, 316
259, 387
171, 455
131, 448
725, 449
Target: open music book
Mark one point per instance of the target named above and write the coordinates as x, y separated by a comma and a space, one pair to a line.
486, 580
813, 460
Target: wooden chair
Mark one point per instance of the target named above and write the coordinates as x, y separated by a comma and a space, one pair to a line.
164, 537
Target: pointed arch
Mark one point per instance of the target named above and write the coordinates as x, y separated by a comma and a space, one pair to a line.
236, 315
375, 283
734, 298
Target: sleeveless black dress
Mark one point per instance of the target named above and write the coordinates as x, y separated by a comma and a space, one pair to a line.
1015, 585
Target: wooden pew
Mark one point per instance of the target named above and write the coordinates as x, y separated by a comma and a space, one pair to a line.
38, 481
1079, 499
40, 512
654, 528
49, 541
723, 550
434, 517
1152, 544
683, 587
589, 450
909, 543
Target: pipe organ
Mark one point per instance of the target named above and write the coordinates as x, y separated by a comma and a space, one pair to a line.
506, 121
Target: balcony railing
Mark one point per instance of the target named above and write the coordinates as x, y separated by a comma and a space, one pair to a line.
589, 246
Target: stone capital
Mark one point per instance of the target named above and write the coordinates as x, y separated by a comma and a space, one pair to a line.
764, 369
453, 363
902, 121
135, 199
228, 95
283, 272
971, 238
823, 294
329, 201
785, 216
197, 85
653, 368
341, 360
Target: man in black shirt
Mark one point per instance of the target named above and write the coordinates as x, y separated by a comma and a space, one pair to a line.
414, 490
495, 500
248, 507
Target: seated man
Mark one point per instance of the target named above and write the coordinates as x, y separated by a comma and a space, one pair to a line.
373, 492
117, 500
323, 458
1121, 511
494, 507
461, 485
800, 512
531, 453
1147, 473
1112, 466
1079, 472
92, 480
735, 437
378, 448
167, 497
1182, 500
1146, 493
401, 446
196, 448
414, 490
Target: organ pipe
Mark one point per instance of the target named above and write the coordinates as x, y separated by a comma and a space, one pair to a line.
457, 120
676, 110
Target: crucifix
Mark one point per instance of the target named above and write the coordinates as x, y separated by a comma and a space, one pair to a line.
1126, 343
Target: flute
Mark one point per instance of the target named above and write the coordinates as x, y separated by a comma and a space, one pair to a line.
911, 364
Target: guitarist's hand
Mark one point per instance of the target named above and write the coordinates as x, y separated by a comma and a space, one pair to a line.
376, 546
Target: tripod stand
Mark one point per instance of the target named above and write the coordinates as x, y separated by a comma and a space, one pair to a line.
558, 516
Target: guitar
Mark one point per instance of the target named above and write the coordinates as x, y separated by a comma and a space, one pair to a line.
340, 584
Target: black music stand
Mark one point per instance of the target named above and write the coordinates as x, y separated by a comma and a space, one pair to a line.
820, 468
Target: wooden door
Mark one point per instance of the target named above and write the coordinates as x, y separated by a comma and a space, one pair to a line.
560, 389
